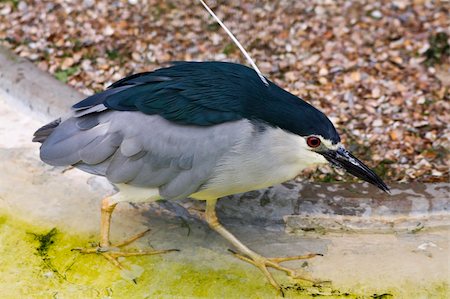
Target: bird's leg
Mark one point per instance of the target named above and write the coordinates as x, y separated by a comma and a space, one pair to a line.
248, 255
112, 252
105, 222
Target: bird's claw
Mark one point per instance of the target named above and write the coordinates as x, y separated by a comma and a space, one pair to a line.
100, 249
264, 263
95, 249
113, 252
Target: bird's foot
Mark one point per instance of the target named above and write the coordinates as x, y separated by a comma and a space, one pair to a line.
113, 252
263, 263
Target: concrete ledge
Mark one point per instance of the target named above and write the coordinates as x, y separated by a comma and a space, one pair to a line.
343, 207
37, 90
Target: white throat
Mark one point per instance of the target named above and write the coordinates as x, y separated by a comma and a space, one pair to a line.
271, 157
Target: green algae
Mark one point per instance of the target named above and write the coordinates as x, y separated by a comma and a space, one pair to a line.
45, 241
37, 262
2, 220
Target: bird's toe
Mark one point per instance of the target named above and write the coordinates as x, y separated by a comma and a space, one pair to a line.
263, 263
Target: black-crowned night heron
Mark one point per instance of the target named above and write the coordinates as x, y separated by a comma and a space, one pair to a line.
196, 129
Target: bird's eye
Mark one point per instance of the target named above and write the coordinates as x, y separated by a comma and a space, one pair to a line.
313, 141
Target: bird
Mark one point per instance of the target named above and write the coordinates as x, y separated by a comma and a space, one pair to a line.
203, 130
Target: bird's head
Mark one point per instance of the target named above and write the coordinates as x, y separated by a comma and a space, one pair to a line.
336, 154
320, 142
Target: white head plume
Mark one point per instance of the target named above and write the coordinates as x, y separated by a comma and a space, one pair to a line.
238, 44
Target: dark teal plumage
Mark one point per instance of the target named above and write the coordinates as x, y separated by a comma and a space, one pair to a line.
208, 93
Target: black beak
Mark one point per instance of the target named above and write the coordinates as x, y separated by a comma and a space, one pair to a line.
344, 159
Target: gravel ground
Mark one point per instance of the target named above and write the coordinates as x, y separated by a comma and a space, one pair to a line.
379, 69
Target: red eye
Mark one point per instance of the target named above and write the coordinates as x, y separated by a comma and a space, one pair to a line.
313, 141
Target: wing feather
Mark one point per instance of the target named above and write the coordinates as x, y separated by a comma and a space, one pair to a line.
142, 150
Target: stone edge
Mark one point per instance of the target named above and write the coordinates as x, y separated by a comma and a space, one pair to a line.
33, 88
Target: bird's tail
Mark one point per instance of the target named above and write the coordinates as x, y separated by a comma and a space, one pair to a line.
42, 134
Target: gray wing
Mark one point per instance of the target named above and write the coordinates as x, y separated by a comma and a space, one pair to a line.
142, 150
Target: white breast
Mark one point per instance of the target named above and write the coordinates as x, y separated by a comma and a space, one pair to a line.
260, 160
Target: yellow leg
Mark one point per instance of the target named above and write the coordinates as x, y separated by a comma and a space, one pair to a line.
112, 252
248, 255
105, 221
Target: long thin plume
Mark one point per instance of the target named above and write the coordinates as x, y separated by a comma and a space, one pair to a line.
238, 44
